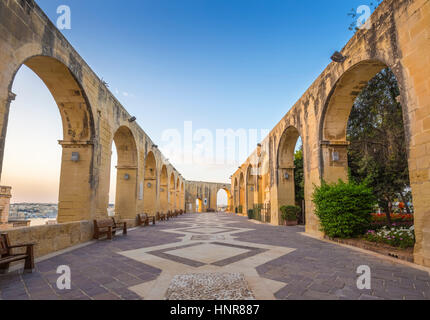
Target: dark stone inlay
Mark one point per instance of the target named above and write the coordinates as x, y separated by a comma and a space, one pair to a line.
191, 230
251, 252
192, 263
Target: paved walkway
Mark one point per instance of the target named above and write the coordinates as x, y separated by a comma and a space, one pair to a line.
216, 256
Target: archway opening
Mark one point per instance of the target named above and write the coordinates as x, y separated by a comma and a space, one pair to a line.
363, 138
199, 205
241, 207
66, 188
164, 191
236, 195
262, 210
150, 184
290, 173
182, 197
178, 194
223, 200
172, 192
250, 189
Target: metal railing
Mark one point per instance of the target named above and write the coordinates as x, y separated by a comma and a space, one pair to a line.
262, 212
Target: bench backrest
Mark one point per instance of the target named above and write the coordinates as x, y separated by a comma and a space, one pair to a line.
4, 244
103, 223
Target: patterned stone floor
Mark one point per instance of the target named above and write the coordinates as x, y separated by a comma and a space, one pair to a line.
276, 262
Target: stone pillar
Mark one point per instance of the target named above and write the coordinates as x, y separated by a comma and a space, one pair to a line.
76, 196
126, 191
285, 191
335, 160
5, 195
4, 118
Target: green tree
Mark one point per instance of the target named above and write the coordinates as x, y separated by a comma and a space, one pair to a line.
377, 153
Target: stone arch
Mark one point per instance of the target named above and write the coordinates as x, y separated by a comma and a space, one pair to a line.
150, 184
126, 184
77, 181
164, 190
334, 119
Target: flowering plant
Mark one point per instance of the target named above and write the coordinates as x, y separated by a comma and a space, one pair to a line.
395, 236
381, 217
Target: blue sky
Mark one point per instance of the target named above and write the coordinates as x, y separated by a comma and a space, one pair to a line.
220, 64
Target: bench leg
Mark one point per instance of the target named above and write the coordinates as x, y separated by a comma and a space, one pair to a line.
110, 233
29, 261
4, 268
124, 229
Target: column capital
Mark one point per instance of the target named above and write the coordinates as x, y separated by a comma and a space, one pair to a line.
75, 144
11, 96
287, 168
5, 192
335, 143
126, 167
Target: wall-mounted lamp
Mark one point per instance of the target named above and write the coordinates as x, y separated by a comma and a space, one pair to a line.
149, 185
252, 188
335, 156
162, 189
154, 146
286, 176
75, 156
132, 119
126, 176
338, 57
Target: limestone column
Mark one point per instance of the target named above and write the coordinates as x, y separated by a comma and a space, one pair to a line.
4, 118
335, 160
126, 192
76, 196
5, 195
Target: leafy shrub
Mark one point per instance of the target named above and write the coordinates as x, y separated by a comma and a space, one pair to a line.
395, 236
290, 213
344, 209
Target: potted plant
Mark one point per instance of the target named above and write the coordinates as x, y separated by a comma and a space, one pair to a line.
289, 215
250, 214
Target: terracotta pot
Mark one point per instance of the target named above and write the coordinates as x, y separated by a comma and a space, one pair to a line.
291, 223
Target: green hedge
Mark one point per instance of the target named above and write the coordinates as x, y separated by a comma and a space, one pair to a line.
290, 213
344, 209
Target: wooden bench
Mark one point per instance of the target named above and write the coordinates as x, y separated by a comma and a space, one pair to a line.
162, 216
143, 219
7, 257
108, 227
